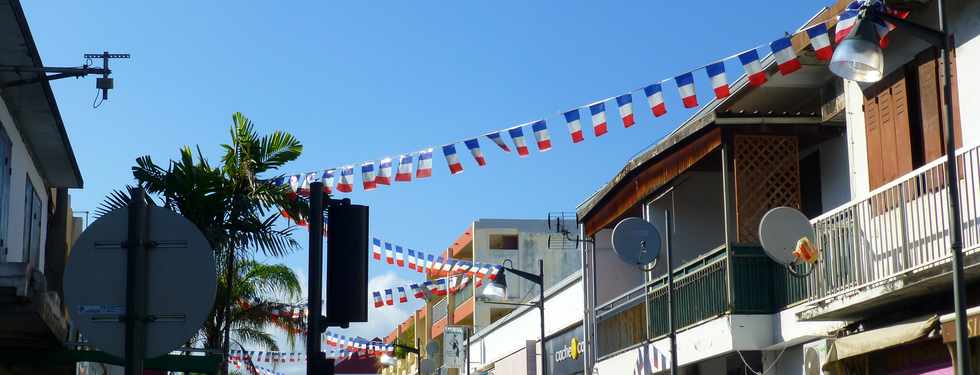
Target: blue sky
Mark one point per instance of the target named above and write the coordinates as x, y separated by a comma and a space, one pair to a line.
362, 80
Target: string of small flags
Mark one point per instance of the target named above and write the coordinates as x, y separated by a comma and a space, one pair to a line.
279, 310
403, 166
259, 356
428, 262
439, 287
357, 344
252, 368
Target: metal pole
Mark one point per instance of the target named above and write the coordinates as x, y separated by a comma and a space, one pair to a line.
668, 226
468, 334
418, 357
953, 189
544, 361
136, 265
315, 282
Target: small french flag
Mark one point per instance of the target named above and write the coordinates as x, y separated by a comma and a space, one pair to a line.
448, 265
820, 41
598, 111
429, 262
719, 82
517, 134
411, 259
437, 266
473, 267
309, 179
750, 60
574, 125
474, 146
376, 248
655, 97
295, 183
425, 164
417, 290
846, 21
494, 270
384, 172
346, 184
420, 263
782, 49
404, 168
625, 103
455, 167
540, 129
367, 175
389, 300
441, 287
402, 296
482, 271
389, 254
496, 138
399, 256
378, 302
327, 179
685, 86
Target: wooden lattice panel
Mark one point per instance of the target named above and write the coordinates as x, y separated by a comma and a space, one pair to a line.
767, 175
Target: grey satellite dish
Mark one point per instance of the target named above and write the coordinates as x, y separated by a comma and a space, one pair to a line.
433, 350
428, 366
636, 241
779, 231
181, 282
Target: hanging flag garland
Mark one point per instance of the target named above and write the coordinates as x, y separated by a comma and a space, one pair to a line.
438, 287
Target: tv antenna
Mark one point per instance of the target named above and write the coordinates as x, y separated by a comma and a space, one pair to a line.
786, 236
104, 83
562, 238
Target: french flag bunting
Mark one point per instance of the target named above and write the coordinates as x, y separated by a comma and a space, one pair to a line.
685, 86
820, 41
455, 167
425, 164
411, 259
441, 287
846, 21
574, 125
367, 176
782, 49
399, 256
625, 104
541, 135
437, 266
473, 268
598, 111
753, 68
389, 299
389, 254
376, 248
295, 182
384, 172
517, 134
404, 168
474, 146
378, 302
309, 179
496, 138
429, 263
346, 184
327, 179
719, 82
402, 296
430, 285
494, 270
482, 271
420, 263
655, 97
417, 290
448, 265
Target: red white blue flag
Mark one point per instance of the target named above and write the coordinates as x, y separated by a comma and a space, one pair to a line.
384, 172
367, 176
425, 164
389, 253
719, 82
411, 259
399, 256
295, 182
685, 86
417, 290
429, 263
402, 296
541, 135
598, 111
455, 167
574, 125
420, 263
378, 302
782, 49
655, 98
474, 146
820, 41
517, 134
753, 68
327, 179
846, 21
389, 300
346, 184
404, 168
496, 138
376, 248
441, 287
625, 104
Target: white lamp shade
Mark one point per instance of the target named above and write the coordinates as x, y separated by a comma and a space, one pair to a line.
858, 57
495, 291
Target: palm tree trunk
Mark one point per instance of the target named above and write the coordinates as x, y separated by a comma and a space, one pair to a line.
230, 269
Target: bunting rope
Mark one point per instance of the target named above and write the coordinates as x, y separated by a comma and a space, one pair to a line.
439, 287
435, 265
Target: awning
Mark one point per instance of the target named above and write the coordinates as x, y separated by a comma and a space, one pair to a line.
878, 339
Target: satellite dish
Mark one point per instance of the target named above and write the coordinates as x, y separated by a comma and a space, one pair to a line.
181, 281
636, 241
779, 231
433, 350
428, 366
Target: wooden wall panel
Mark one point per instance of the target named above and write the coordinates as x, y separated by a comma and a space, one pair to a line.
767, 175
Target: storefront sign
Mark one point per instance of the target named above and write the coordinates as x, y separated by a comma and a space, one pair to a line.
972, 328
566, 352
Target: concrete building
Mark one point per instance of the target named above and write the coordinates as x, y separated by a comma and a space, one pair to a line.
863, 162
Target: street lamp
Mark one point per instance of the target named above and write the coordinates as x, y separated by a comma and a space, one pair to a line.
858, 58
498, 289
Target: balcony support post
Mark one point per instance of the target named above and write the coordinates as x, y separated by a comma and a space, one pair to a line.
728, 209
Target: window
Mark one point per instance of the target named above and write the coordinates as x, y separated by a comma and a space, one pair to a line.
503, 242
903, 118
32, 223
4, 190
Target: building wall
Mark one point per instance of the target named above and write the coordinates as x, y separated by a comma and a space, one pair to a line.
22, 169
697, 205
835, 185
966, 28
607, 263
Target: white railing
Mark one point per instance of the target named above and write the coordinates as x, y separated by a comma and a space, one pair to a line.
899, 228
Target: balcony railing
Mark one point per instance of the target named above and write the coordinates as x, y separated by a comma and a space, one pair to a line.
439, 310
462, 296
899, 229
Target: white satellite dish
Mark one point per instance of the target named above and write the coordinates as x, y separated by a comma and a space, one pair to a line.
181, 282
779, 231
636, 241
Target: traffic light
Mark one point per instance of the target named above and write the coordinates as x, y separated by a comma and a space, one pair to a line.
347, 262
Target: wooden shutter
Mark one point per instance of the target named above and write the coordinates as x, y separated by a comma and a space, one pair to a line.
930, 72
887, 127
